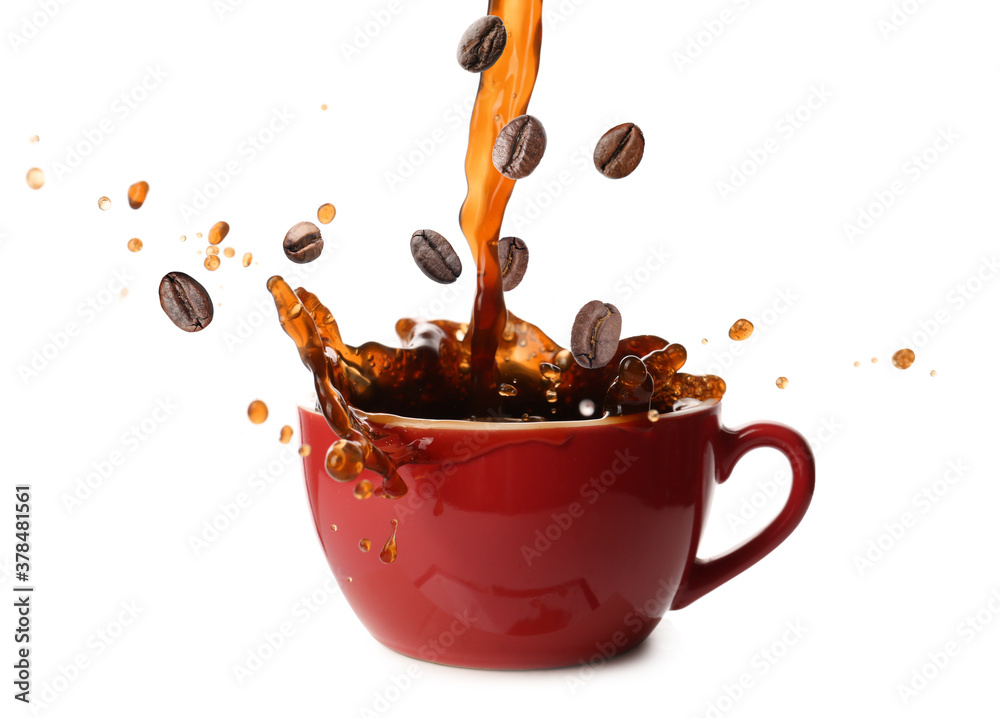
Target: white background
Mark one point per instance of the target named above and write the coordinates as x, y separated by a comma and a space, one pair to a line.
776, 252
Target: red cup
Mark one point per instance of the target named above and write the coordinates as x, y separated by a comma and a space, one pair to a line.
537, 545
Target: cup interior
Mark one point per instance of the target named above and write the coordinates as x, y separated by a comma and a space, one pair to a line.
392, 421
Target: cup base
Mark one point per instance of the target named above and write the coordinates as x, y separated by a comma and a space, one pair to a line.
595, 655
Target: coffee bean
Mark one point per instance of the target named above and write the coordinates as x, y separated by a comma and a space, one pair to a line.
186, 302
596, 330
520, 147
513, 253
482, 44
619, 151
435, 256
303, 243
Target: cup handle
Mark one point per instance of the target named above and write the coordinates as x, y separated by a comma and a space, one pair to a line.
707, 575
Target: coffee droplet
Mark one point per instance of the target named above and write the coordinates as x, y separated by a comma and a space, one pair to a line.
333, 527
388, 554
345, 460
184, 238
286, 434
212, 262
741, 330
247, 258
34, 138
903, 359
704, 341
508, 390
857, 363
323, 107
653, 415
365, 545
134, 244
364, 489
326, 213
257, 411
212, 250
229, 252
874, 360
563, 359
218, 232
632, 372
198, 235
137, 194
104, 203
933, 372
782, 382
305, 450
36, 178
294, 311
550, 372
551, 396
587, 408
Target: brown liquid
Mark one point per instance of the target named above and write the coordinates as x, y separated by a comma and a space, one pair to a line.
496, 367
326, 213
137, 194
388, 553
257, 411
36, 178
504, 92
363, 490
903, 359
741, 330
218, 232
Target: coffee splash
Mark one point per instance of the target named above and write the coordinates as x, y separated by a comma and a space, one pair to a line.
496, 367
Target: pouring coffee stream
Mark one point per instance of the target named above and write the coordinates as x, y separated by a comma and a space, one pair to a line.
496, 367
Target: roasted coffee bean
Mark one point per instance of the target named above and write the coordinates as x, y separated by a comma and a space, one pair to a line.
619, 151
519, 147
482, 44
435, 256
186, 302
303, 243
596, 330
513, 253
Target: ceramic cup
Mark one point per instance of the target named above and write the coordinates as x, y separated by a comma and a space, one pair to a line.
536, 545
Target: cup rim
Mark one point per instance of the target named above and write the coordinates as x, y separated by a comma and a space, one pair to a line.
388, 420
